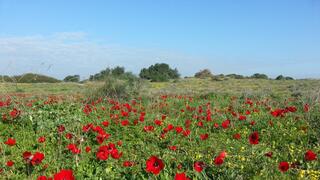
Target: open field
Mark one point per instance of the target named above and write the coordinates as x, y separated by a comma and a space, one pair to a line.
184, 86
196, 128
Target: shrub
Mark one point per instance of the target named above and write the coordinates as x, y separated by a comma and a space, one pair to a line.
235, 76
159, 73
119, 88
29, 78
70, 78
280, 77
102, 75
206, 73
259, 76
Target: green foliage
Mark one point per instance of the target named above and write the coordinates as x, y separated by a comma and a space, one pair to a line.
104, 74
70, 78
159, 73
123, 87
235, 76
206, 73
29, 78
281, 77
259, 76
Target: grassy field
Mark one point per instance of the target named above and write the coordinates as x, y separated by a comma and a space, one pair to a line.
191, 128
183, 86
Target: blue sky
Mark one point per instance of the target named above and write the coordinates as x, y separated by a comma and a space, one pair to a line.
60, 37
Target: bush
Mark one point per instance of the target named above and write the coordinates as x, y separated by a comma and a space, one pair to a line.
235, 76
102, 75
206, 73
259, 76
281, 77
29, 78
159, 73
119, 88
74, 78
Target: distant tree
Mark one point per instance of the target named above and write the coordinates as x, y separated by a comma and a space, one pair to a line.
289, 78
205, 73
235, 76
280, 77
72, 78
159, 73
259, 76
29, 78
117, 71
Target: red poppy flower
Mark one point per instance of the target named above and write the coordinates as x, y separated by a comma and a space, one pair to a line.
218, 160
10, 142
277, 113
204, 136
310, 156
198, 166
10, 163
306, 108
158, 122
237, 136
105, 123
283, 166
14, 113
148, 128
128, 164
61, 128
269, 154
173, 148
225, 124
88, 149
73, 148
186, 132
64, 175
254, 138
178, 129
242, 117
41, 139
181, 176
33, 159
125, 122
154, 165
42, 178
37, 158
69, 136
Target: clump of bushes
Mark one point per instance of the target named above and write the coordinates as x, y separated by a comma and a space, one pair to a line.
72, 78
118, 88
206, 73
159, 73
281, 77
116, 72
235, 76
29, 78
259, 76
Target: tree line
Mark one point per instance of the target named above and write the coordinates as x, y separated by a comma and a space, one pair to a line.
159, 72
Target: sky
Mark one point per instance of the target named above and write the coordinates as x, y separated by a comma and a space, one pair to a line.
60, 38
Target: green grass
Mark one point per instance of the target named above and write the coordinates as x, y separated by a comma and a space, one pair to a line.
44, 107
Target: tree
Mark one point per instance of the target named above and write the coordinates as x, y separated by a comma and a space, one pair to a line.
117, 71
280, 77
206, 73
259, 76
72, 78
159, 73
